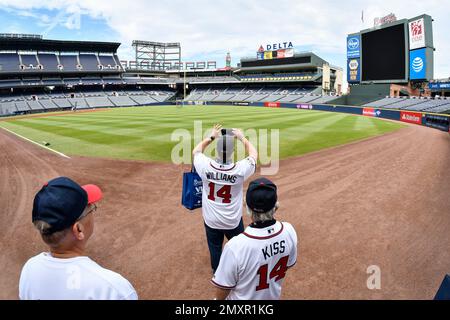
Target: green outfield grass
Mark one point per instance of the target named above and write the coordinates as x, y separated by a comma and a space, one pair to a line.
145, 133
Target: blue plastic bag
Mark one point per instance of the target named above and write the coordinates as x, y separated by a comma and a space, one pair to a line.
191, 196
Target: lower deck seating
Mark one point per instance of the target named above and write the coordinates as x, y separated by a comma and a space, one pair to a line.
35, 105
255, 94
18, 104
22, 106
7, 108
98, 102
121, 101
428, 104
62, 103
48, 104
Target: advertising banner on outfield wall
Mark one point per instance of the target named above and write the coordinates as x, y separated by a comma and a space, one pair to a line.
437, 121
305, 106
272, 104
371, 112
411, 117
386, 114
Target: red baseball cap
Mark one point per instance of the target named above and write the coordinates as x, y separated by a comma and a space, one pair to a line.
94, 193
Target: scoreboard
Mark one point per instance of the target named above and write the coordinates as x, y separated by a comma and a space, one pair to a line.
396, 52
384, 54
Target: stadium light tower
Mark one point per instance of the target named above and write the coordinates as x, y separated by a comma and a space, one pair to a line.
157, 55
184, 84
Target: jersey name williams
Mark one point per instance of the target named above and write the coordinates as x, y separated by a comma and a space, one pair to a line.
219, 176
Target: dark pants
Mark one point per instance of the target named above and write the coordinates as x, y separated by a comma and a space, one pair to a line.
215, 239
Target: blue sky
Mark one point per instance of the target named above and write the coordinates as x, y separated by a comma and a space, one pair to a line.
56, 24
207, 29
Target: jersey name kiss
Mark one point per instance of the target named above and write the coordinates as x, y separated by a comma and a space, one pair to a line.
274, 249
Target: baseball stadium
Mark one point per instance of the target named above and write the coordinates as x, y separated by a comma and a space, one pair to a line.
363, 174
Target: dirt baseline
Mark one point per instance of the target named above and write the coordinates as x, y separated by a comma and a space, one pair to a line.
384, 201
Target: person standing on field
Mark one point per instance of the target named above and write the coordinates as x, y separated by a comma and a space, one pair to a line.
254, 264
223, 183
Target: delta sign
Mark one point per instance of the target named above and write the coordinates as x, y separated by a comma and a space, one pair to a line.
276, 51
276, 46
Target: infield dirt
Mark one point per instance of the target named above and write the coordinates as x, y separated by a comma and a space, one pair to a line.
384, 201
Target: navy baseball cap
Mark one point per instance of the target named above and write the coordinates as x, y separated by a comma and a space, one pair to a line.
261, 195
62, 201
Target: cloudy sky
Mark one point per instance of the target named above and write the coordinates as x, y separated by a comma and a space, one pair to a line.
207, 29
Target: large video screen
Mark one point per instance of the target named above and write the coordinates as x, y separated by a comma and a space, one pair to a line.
383, 54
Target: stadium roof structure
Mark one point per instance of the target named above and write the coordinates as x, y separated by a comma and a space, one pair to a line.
37, 44
302, 60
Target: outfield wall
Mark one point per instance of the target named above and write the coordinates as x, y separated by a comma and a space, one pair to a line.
437, 121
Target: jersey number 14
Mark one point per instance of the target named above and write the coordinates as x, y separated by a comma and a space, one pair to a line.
224, 193
278, 272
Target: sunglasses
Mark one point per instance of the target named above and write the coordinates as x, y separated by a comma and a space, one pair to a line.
89, 209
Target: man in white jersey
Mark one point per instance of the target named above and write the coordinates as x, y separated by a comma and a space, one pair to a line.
254, 264
63, 214
223, 182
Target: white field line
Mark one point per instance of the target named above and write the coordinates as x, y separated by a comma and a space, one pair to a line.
49, 149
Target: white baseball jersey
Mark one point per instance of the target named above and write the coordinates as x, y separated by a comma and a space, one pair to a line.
223, 190
254, 264
47, 278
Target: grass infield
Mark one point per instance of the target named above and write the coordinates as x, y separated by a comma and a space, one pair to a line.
144, 133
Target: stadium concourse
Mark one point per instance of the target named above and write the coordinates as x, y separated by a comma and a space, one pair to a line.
373, 202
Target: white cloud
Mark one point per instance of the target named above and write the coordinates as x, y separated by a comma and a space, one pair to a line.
212, 28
